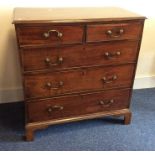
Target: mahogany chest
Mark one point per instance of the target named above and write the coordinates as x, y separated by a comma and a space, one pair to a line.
76, 63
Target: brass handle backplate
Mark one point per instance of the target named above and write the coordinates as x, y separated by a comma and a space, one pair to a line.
59, 61
109, 55
115, 33
50, 109
106, 103
47, 34
50, 85
109, 79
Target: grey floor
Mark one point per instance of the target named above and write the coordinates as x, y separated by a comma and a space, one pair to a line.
99, 134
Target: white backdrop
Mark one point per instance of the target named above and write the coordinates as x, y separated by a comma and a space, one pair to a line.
10, 79
145, 7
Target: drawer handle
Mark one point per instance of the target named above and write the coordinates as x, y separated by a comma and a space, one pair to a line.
49, 63
109, 79
49, 85
109, 55
47, 34
117, 33
106, 103
55, 107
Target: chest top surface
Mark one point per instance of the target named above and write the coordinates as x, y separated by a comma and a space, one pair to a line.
63, 15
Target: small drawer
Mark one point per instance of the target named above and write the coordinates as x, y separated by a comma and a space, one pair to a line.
79, 55
118, 31
81, 80
77, 105
51, 35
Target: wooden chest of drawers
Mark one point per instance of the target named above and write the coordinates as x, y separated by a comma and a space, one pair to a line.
76, 65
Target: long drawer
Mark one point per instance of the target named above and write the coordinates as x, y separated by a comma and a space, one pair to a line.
76, 105
79, 55
118, 31
88, 79
51, 35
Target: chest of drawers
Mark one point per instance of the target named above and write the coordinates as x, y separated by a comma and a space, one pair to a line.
76, 63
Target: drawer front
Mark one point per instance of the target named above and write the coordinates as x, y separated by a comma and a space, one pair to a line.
119, 31
72, 106
79, 55
67, 82
51, 35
